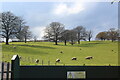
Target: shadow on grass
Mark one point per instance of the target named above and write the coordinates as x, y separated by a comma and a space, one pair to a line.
90, 44
36, 46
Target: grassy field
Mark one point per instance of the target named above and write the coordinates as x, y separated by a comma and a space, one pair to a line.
104, 53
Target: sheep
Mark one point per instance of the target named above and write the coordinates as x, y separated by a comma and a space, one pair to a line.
14, 47
89, 57
74, 58
36, 61
58, 60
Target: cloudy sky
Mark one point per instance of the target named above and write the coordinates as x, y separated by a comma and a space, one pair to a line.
95, 16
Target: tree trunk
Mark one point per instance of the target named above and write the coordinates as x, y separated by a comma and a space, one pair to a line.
7, 39
78, 41
112, 40
71, 42
25, 40
56, 42
78, 38
89, 39
65, 42
56, 39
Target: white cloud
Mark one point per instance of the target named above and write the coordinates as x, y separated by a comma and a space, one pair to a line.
38, 31
63, 8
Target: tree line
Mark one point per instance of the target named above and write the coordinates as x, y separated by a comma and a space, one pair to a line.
14, 27
112, 34
56, 31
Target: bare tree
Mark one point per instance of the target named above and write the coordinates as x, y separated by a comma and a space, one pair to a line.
19, 35
35, 38
26, 33
80, 30
53, 31
65, 36
72, 36
113, 34
9, 23
89, 35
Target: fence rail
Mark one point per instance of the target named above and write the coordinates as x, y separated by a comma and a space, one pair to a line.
5, 72
15, 71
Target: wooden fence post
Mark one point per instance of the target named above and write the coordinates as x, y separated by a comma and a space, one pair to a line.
15, 67
7, 73
2, 71
48, 62
42, 62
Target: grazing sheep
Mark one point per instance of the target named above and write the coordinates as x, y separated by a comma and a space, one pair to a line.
36, 61
74, 58
58, 60
89, 57
14, 47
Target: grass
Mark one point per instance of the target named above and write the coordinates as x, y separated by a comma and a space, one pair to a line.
104, 53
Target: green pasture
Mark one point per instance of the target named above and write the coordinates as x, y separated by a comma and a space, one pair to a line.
104, 53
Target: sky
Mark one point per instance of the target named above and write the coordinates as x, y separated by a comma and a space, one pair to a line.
95, 16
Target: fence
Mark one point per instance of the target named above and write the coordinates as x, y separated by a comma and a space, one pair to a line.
15, 71
61, 72
30, 60
5, 71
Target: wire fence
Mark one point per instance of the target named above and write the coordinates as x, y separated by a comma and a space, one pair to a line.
37, 61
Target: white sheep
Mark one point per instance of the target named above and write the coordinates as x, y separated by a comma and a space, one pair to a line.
74, 58
14, 47
89, 57
36, 61
58, 60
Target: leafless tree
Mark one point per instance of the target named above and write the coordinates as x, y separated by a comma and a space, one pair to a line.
26, 33
53, 31
19, 35
65, 36
113, 34
72, 36
10, 25
35, 38
81, 33
89, 35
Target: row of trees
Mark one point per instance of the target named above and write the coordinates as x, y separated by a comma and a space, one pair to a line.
112, 34
13, 27
57, 32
